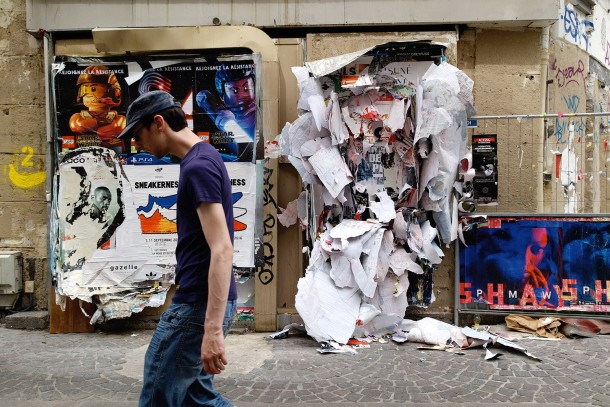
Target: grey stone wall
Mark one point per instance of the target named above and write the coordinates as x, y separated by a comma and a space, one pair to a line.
23, 210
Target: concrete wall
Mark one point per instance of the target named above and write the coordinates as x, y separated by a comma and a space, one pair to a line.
23, 210
505, 65
71, 15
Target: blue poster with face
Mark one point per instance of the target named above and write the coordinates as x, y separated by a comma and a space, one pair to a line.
536, 263
225, 106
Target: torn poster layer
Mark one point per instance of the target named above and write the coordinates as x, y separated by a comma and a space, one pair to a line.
117, 229
379, 159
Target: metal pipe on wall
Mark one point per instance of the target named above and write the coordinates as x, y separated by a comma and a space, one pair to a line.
544, 66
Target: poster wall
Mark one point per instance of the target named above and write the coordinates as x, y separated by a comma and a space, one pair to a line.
536, 263
114, 229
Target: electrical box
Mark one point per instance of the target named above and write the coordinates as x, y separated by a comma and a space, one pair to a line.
11, 267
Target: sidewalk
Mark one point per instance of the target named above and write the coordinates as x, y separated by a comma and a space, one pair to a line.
105, 369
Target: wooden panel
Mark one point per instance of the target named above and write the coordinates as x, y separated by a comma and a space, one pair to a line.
72, 320
290, 240
265, 288
290, 53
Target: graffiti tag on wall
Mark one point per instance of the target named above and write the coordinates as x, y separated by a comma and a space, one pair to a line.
576, 28
569, 74
265, 251
23, 173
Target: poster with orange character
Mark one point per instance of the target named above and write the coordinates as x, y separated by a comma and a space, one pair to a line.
90, 103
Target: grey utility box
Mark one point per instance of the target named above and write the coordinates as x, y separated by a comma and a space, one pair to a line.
11, 265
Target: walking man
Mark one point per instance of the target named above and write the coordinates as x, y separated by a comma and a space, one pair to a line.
188, 347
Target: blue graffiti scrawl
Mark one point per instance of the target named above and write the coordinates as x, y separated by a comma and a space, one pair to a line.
576, 28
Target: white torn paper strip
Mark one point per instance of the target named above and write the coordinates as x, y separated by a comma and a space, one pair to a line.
383, 262
341, 271
396, 118
288, 217
336, 125
401, 262
325, 66
390, 295
384, 210
349, 228
329, 312
299, 133
310, 147
331, 169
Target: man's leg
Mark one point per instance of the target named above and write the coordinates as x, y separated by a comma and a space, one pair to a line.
170, 364
201, 392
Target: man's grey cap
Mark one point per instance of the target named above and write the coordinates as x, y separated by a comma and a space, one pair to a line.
147, 105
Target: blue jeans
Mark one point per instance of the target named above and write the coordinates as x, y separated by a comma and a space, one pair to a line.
173, 372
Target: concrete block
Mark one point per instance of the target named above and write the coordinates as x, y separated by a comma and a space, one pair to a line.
29, 320
23, 80
23, 227
22, 126
287, 319
14, 40
509, 49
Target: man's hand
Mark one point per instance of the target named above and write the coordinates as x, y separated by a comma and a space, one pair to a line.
213, 352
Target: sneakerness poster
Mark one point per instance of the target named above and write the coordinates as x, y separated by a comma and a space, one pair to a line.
136, 257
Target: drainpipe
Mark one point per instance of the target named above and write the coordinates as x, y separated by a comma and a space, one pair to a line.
544, 66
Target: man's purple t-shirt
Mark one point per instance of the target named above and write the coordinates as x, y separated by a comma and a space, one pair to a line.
203, 178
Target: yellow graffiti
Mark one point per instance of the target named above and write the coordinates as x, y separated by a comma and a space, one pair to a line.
26, 180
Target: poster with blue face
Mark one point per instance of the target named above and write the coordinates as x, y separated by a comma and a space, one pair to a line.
536, 263
224, 113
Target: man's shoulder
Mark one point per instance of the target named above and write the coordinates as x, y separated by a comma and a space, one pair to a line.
203, 152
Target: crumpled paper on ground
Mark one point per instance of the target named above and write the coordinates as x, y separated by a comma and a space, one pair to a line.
547, 327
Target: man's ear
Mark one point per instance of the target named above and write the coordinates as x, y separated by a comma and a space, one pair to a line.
159, 122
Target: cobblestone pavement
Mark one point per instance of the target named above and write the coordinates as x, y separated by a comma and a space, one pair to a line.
104, 369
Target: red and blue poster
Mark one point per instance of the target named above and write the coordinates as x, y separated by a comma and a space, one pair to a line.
536, 263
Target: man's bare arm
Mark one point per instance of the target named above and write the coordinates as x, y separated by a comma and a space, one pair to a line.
214, 226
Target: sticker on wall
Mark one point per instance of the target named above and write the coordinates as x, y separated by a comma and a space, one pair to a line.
485, 164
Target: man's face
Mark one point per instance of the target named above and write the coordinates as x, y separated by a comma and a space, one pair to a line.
102, 199
239, 93
146, 140
93, 94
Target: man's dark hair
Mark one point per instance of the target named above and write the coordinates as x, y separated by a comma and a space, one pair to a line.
174, 116
102, 188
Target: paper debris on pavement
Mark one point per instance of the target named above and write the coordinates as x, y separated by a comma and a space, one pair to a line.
443, 348
489, 355
293, 328
547, 327
334, 347
430, 331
